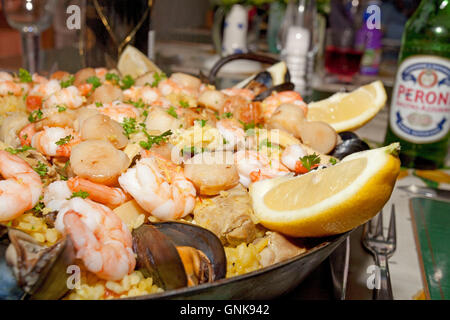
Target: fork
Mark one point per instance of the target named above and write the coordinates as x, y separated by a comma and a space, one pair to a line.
382, 249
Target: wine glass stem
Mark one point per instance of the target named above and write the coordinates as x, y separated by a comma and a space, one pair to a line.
31, 51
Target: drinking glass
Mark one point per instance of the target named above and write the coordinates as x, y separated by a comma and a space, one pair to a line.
30, 17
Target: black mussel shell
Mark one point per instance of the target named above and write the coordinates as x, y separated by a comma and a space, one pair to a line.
190, 235
287, 86
348, 147
265, 78
157, 257
41, 272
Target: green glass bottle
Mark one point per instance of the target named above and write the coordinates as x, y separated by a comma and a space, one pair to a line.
420, 107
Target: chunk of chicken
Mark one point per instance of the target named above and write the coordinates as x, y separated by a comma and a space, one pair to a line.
228, 216
279, 248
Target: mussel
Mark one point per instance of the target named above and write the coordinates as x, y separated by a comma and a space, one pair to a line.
351, 143
177, 254
31, 270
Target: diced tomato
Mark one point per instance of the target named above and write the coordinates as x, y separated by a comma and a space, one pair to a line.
33, 103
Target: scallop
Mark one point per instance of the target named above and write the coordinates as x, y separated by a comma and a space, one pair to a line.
98, 161
106, 93
101, 127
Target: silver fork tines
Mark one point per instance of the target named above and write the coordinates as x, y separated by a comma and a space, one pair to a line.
382, 248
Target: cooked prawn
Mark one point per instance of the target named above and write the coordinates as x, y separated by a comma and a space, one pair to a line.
118, 111
160, 188
232, 132
101, 239
5, 76
55, 141
69, 97
112, 197
255, 166
21, 189
46, 89
271, 103
147, 95
245, 93
8, 87
291, 156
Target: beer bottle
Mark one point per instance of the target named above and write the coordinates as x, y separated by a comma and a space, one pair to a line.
420, 107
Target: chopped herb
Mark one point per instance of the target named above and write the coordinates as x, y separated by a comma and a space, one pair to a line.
25, 97
333, 161
38, 207
35, 115
201, 122
191, 151
268, 144
114, 78
18, 150
61, 109
127, 82
184, 104
217, 115
138, 104
41, 169
25, 76
129, 126
250, 125
10, 93
9, 224
311, 161
64, 140
142, 125
151, 139
98, 104
227, 115
63, 178
158, 77
172, 112
68, 82
225, 141
81, 194
95, 81
145, 113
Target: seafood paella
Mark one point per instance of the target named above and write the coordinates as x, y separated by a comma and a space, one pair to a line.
113, 186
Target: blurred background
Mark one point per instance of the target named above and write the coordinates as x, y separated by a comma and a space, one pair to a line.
189, 36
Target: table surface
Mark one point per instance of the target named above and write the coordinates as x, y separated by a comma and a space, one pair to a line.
404, 264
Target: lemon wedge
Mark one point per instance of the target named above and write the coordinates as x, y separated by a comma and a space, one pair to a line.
328, 201
349, 111
134, 63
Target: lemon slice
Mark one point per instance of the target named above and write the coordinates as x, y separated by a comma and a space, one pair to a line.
349, 111
328, 201
134, 63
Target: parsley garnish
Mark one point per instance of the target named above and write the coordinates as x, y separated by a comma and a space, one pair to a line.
38, 207
151, 139
81, 194
25, 76
201, 122
250, 125
158, 77
61, 109
268, 144
184, 104
98, 104
310, 161
172, 112
127, 82
64, 140
68, 82
18, 150
138, 104
114, 78
333, 161
129, 126
35, 115
95, 81
227, 115
41, 169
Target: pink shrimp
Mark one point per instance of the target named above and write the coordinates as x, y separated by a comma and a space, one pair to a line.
147, 95
69, 97
26, 134
11, 88
160, 188
55, 141
21, 189
245, 93
255, 166
112, 197
101, 239
291, 156
232, 132
271, 103
118, 111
